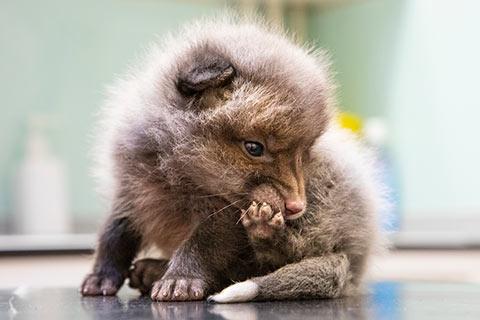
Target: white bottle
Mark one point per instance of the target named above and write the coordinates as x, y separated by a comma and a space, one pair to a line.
41, 190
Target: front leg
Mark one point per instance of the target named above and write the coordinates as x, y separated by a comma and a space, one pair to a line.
217, 253
274, 244
261, 222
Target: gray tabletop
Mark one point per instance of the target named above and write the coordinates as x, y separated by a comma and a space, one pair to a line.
385, 300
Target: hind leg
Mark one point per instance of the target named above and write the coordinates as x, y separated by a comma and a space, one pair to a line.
117, 247
145, 272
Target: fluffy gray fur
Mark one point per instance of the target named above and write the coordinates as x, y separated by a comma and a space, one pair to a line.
172, 163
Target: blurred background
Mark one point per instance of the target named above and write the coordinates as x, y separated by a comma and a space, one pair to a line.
407, 73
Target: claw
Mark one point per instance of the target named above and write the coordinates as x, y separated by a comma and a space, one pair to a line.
246, 221
154, 293
277, 219
265, 211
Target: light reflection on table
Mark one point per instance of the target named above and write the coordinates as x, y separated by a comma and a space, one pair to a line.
385, 300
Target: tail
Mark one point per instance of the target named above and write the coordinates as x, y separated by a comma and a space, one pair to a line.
319, 277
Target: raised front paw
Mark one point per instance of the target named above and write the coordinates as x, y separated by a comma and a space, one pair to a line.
261, 221
179, 289
145, 272
100, 284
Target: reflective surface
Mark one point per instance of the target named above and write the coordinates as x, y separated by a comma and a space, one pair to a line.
386, 300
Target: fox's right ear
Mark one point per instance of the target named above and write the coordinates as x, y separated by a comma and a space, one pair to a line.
206, 71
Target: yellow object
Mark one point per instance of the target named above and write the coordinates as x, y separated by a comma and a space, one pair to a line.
350, 121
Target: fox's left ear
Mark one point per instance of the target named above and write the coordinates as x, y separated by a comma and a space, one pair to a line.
206, 71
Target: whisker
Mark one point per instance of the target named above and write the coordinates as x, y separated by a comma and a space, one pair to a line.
218, 211
223, 194
241, 217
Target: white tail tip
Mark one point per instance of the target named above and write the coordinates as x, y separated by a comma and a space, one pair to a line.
238, 292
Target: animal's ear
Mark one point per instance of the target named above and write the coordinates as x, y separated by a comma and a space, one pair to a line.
206, 72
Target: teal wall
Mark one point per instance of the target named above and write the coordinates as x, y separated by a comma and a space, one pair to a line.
415, 62
56, 57
362, 40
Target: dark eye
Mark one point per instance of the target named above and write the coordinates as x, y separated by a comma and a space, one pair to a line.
255, 149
